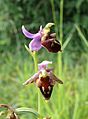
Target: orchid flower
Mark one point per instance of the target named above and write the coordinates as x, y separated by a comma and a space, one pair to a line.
43, 38
44, 79
11, 113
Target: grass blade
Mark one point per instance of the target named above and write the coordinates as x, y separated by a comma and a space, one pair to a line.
68, 39
54, 17
76, 106
81, 35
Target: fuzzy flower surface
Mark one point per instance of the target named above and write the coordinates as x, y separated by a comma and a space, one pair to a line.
44, 79
43, 38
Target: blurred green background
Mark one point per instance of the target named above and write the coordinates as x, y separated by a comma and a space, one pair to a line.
68, 101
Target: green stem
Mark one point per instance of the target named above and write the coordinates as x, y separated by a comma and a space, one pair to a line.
61, 32
61, 38
38, 102
34, 55
35, 61
61, 21
36, 69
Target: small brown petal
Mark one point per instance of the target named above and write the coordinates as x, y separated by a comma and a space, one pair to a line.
54, 78
32, 79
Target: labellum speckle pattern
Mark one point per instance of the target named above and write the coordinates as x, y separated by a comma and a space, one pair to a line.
46, 87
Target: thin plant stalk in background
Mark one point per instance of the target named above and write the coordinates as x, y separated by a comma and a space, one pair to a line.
61, 38
54, 18
59, 58
59, 55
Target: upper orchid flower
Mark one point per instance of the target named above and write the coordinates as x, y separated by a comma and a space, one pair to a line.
43, 38
44, 79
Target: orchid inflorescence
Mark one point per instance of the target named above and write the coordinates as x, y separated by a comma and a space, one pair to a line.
44, 78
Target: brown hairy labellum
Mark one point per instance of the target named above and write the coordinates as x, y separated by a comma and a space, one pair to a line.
44, 84
51, 44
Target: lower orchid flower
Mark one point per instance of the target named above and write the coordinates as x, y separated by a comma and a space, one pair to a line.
44, 79
43, 38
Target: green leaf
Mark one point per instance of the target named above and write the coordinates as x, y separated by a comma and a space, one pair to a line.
30, 110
